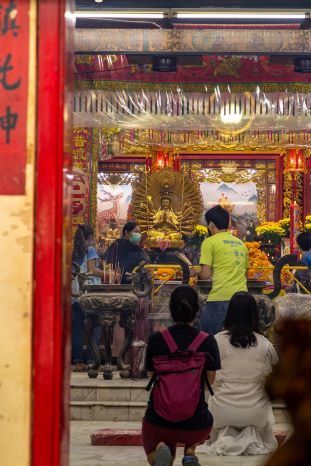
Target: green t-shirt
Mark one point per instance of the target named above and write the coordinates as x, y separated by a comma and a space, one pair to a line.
228, 257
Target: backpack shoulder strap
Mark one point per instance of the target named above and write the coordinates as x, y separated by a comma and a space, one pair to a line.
169, 340
198, 341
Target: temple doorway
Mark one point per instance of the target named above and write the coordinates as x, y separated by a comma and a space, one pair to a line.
168, 123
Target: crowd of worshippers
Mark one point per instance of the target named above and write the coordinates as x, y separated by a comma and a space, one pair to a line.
228, 354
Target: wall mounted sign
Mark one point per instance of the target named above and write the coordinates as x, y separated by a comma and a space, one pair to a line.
14, 53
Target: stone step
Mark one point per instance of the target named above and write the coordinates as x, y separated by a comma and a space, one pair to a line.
105, 410
107, 393
120, 400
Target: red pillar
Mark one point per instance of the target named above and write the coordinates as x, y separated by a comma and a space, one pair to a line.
51, 329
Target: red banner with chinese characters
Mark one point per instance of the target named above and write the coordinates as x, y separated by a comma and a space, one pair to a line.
81, 155
14, 56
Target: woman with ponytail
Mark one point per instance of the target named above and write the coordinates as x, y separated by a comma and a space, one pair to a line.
160, 435
86, 257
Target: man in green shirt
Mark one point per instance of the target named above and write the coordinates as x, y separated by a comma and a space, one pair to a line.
224, 259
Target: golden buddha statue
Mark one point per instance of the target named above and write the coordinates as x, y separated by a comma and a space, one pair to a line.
167, 205
165, 219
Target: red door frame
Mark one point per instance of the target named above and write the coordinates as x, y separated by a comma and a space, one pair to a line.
50, 420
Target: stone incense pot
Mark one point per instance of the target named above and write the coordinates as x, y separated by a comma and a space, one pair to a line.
102, 304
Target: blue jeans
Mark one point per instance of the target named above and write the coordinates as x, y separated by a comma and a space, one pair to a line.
213, 316
77, 334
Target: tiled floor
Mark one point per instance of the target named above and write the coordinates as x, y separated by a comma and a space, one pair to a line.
84, 454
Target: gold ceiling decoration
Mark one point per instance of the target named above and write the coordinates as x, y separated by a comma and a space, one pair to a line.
141, 149
139, 143
190, 87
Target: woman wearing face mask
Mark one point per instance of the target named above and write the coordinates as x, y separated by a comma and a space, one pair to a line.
87, 258
126, 253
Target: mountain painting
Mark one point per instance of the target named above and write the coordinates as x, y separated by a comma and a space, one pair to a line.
240, 199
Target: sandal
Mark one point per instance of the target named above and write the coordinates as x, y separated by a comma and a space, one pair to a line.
190, 460
80, 367
163, 456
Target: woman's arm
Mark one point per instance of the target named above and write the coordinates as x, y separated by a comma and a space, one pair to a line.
93, 270
211, 376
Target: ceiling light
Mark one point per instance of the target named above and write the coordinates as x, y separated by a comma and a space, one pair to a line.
240, 15
118, 15
230, 118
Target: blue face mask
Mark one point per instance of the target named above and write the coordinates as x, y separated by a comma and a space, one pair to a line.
135, 238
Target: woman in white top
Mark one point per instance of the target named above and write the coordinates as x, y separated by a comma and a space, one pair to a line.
243, 417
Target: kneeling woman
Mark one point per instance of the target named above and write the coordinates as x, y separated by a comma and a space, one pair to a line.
162, 427
241, 409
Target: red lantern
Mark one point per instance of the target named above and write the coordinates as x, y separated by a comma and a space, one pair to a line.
296, 161
160, 159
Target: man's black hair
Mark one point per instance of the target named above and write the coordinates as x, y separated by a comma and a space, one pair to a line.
304, 241
219, 217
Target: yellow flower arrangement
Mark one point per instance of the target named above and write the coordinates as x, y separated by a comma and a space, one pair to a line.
200, 230
271, 231
257, 260
165, 273
270, 227
308, 223
284, 223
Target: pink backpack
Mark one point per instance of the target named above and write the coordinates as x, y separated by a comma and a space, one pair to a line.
178, 379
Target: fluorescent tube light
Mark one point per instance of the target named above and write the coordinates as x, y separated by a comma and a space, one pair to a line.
118, 15
255, 15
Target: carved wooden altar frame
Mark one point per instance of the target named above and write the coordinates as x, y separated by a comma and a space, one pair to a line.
126, 164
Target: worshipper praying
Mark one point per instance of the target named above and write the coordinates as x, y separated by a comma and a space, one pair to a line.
180, 413
86, 257
242, 412
224, 259
125, 253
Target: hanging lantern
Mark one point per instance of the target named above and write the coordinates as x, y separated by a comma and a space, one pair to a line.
160, 159
296, 161
163, 159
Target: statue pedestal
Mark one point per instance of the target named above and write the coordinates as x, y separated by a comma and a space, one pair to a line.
103, 303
